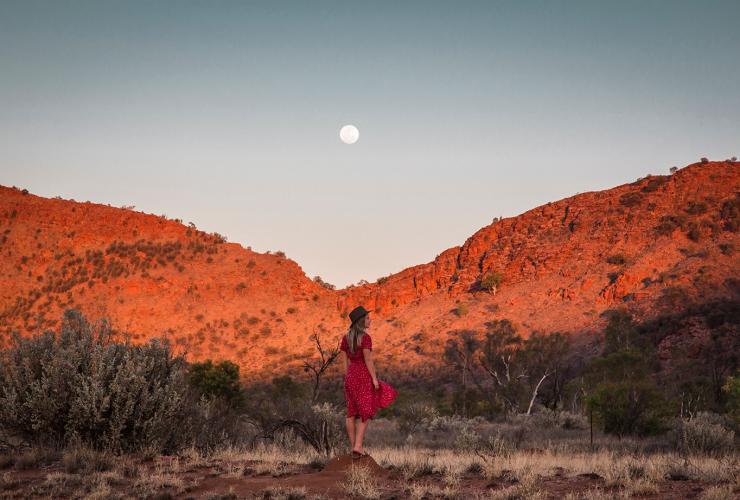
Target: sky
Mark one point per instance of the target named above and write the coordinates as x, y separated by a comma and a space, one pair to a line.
227, 113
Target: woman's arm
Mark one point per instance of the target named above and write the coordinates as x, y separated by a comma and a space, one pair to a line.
370, 365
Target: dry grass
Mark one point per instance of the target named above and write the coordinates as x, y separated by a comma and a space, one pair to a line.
359, 483
616, 469
592, 494
725, 492
81, 460
35, 458
284, 493
525, 488
151, 483
425, 489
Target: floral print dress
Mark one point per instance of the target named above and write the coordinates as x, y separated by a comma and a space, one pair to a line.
363, 400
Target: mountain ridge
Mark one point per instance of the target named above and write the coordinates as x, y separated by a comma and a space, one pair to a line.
645, 245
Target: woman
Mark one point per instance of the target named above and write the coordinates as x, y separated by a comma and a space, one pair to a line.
364, 393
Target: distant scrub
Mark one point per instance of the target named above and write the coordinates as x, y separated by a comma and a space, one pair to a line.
461, 310
696, 208
630, 199
669, 223
327, 285
654, 183
491, 281
617, 259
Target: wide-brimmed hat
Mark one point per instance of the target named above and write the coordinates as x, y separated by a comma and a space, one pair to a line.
357, 313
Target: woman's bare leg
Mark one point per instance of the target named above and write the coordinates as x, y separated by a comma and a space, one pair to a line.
361, 426
351, 431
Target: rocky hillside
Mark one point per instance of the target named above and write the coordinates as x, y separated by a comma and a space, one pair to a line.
652, 246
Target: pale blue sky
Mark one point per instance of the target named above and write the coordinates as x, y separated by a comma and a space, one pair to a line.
227, 113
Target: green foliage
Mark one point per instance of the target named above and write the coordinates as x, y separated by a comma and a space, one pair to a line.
624, 397
622, 333
704, 434
628, 407
285, 388
491, 281
732, 393
81, 386
219, 380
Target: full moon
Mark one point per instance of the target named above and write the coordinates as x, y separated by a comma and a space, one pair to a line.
349, 134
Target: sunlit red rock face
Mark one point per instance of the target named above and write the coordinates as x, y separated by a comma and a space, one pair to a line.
651, 246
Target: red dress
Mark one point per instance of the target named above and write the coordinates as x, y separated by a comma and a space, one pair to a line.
362, 399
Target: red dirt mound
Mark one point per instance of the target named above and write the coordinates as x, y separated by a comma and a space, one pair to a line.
341, 464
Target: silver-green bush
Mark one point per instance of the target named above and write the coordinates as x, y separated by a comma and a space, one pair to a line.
705, 434
80, 386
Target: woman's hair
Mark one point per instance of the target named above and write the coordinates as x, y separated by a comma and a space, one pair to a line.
355, 333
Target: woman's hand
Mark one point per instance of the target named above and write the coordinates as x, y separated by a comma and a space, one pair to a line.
376, 384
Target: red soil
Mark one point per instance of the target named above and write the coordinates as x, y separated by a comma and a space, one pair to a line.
651, 246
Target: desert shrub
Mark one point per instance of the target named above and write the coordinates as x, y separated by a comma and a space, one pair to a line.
630, 407
668, 224
459, 431
413, 415
465, 436
617, 259
327, 423
79, 386
491, 281
704, 160
78, 459
461, 310
493, 446
545, 418
219, 380
655, 182
325, 284
703, 434
630, 199
732, 391
696, 208
730, 214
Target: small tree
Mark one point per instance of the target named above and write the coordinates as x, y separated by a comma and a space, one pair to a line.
219, 380
491, 281
318, 366
628, 407
498, 358
623, 397
543, 356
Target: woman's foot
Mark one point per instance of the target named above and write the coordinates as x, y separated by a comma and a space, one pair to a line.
359, 453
